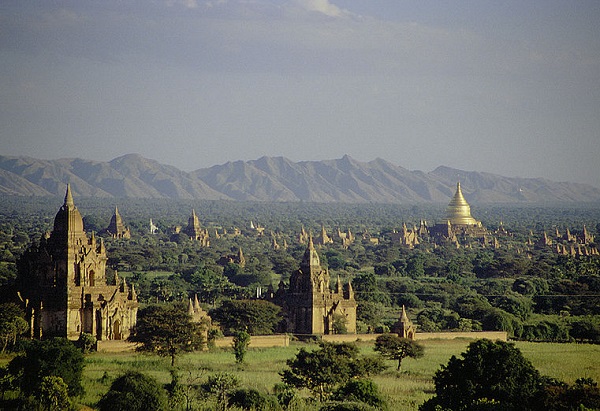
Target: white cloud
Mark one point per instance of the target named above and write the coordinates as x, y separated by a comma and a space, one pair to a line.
321, 6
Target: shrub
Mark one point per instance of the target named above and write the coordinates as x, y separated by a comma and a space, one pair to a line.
134, 391
362, 390
55, 357
251, 399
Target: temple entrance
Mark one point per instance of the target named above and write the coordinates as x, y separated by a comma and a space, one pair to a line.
117, 330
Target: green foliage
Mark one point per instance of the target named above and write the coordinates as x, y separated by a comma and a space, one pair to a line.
360, 390
397, 348
12, 325
220, 386
491, 371
241, 341
251, 399
166, 330
257, 317
324, 369
348, 406
53, 395
370, 313
585, 329
55, 357
583, 395
134, 391
86, 343
339, 324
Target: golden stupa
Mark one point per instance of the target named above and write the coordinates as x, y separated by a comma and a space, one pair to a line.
458, 211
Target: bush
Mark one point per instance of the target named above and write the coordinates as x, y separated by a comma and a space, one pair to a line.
134, 391
363, 390
86, 343
55, 357
347, 406
251, 399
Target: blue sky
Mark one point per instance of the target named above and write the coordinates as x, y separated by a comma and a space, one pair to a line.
509, 87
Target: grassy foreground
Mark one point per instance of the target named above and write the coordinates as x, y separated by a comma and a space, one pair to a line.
404, 390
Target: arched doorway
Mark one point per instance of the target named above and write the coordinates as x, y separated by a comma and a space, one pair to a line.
117, 330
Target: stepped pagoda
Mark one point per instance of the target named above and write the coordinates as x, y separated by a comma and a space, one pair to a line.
116, 228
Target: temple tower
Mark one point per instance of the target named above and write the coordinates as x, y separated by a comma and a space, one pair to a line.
116, 228
62, 281
310, 305
405, 327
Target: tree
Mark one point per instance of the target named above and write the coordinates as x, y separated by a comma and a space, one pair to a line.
257, 317
12, 324
134, 391
166, 330
55, 357
220, 385
397, 348
241, 341
490, 372
322, 370
53, 394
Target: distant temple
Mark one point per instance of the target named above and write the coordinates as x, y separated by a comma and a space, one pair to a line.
310, 306
458, 221
195, 232
200, 317
62, 281
116, 228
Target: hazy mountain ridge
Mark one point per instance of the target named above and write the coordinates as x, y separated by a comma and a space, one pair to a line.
276, 179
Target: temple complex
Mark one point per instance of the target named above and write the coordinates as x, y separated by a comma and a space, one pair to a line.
458, 221
116, 228
62, 282
309, 305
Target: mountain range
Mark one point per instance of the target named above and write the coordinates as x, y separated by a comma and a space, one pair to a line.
277, 179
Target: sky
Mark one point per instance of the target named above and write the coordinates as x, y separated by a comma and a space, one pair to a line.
505, 87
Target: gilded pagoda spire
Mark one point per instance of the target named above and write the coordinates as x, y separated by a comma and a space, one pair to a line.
458, 211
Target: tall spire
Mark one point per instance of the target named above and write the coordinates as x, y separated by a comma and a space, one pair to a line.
403, 316
69, 197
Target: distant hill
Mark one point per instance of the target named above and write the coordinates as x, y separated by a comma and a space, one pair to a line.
276, 179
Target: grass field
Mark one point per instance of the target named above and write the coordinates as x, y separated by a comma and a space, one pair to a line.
404, 390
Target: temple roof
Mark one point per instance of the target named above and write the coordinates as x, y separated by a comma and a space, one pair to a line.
68, 219
458, 211
311, 258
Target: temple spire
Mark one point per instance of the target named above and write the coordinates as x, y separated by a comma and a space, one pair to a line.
69, 197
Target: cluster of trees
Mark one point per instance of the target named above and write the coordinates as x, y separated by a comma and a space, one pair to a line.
495, 376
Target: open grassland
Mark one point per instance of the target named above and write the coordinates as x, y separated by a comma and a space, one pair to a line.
404, 390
